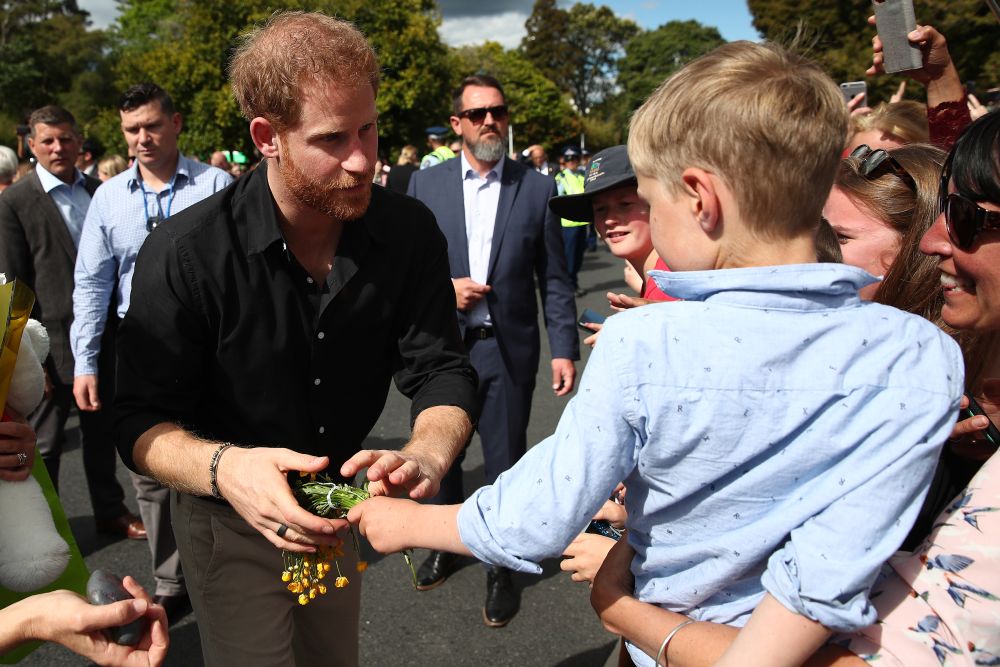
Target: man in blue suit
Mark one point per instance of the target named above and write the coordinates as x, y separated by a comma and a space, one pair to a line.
501, 237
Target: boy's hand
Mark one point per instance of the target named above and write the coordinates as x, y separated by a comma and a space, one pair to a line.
385, 522
584, 555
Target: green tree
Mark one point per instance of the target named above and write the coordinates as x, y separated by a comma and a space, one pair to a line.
597, 38
50, 57
540, 113
577, 48
842, 39
546, 41
652, 56
185, 47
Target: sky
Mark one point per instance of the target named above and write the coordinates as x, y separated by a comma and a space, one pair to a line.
473, 21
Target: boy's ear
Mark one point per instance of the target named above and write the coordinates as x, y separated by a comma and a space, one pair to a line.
703, 196
265, 137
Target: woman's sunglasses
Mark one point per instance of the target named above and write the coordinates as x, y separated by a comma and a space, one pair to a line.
965, 219
876, 162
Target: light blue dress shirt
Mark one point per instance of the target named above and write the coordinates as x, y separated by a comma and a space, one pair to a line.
481, 197
71, 200
113, 232
774, 432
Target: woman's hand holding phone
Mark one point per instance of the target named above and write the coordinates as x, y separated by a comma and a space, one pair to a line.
972, 433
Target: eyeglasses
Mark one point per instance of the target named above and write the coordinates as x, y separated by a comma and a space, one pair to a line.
876, 162
478, 115
964, 219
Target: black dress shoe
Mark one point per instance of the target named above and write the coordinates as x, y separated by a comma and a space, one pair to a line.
176, 606
438, 567
501, 599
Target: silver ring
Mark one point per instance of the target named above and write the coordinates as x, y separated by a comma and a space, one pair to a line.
282, 529
22, 459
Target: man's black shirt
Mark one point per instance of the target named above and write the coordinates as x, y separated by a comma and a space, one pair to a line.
228, 336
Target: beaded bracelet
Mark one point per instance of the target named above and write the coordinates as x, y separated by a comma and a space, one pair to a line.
213, 469
666, 641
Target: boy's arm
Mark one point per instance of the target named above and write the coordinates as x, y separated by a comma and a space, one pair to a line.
394, 524
535, 509
826, 568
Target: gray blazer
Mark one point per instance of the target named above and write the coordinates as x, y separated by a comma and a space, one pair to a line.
36, 247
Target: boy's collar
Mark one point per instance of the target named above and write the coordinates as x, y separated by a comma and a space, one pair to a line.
820, 279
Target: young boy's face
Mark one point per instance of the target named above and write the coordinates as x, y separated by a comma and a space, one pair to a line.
677, 238
622, 220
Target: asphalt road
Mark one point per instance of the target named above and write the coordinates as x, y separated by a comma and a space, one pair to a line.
555, 627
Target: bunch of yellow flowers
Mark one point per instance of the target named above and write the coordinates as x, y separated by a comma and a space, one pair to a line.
303, 573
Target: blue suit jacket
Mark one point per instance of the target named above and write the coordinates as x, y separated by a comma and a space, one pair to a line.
527, 243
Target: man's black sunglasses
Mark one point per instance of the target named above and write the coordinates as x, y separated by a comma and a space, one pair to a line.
965, 219
478, 115
876, 162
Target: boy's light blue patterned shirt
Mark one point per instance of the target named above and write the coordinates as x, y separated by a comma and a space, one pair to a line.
774, 432
112, 235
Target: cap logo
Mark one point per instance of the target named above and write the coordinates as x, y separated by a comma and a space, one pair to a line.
595, 170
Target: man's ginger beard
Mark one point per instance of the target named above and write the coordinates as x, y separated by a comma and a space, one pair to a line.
329, 198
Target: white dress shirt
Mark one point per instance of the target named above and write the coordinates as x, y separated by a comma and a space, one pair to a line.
481, 195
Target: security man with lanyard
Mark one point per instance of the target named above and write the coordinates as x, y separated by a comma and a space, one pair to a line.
124, 210
439, 152
570, 182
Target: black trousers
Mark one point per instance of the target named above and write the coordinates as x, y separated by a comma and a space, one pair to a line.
503, 420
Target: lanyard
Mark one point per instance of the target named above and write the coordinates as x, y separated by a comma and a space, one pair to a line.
153, 221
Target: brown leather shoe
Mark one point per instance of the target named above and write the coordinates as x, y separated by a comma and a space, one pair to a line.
127, 525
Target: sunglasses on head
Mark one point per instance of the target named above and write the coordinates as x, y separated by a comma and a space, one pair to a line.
478, 115
965, 219
876, 162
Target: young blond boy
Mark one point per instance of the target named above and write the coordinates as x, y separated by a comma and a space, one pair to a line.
776, 434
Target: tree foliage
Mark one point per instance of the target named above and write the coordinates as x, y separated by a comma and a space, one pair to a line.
539, 111
652, 56
577, 48
185, 47
842, 38
49, 56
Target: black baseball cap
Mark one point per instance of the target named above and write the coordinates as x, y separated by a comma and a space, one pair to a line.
608, 169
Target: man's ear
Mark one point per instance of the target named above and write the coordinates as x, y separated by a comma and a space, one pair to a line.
456, 125
178, 122
701, 190
265, 137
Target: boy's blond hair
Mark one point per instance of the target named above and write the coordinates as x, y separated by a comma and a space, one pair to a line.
769, 123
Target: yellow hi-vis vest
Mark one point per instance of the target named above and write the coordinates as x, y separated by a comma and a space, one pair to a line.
570, 183
436, 156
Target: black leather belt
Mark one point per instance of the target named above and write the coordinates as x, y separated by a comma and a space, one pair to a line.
479, 333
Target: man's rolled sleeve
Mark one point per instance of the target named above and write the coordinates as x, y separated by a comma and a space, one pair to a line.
434, 367
94, 281
161, 345
826, 569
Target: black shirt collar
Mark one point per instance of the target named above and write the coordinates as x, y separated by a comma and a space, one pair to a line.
264, 230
